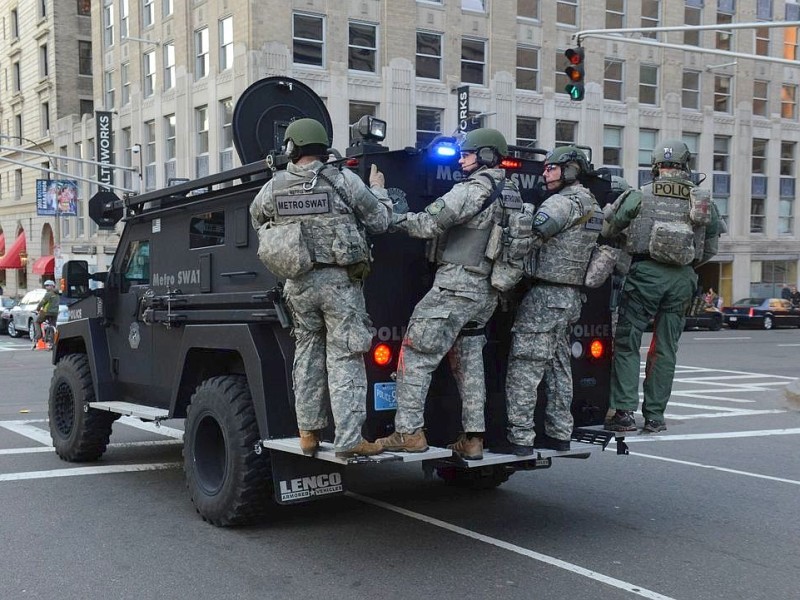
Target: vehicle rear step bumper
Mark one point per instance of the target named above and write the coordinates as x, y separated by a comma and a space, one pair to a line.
326, 452
146, 413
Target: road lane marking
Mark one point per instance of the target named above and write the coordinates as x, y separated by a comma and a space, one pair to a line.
40, 449
26, 429
80, 471
544, 558
715, 468
739, 413
680, 437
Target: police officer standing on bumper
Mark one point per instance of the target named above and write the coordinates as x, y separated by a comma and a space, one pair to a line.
451, 318
567, 227
311, 221
671, 225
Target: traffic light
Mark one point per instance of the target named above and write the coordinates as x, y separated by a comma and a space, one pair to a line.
574, 73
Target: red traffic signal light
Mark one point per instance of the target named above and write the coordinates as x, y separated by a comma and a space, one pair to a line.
574, 73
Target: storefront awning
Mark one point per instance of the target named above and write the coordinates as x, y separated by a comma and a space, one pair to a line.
45, 265
11, 259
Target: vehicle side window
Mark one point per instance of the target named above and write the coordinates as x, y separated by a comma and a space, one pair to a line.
207, 229
136, 264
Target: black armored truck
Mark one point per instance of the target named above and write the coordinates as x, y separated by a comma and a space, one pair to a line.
188, 324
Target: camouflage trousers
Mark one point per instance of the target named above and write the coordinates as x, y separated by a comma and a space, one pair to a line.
540, 351
332, 333
435, 330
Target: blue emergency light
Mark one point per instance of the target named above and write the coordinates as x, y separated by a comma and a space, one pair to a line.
443, 148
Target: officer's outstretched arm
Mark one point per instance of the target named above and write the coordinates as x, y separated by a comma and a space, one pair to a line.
372, 205
457, 206
626, 212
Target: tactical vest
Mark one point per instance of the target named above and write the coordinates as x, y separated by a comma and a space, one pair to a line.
564, 257
663, 229
466, 244
313, 224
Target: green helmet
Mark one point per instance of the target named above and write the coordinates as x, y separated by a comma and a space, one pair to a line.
573, 162
672, 153
485, 138
619, 185
306, 132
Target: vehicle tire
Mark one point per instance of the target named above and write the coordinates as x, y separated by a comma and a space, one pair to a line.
12, 330
31, 330
79, 433
480, 478
716, 325
228, 482
768, 322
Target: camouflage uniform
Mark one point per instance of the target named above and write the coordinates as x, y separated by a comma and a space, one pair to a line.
331, 324
450, 319
567, 224
653, 289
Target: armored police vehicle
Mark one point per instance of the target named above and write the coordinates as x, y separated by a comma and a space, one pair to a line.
189, 324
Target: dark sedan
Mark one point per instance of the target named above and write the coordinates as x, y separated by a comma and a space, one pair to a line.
6, 304
766, 313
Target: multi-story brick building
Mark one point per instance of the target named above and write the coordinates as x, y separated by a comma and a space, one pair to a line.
171, 72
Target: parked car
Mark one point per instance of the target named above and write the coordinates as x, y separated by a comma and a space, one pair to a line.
23, 315
761, 312
6, 304
700, 315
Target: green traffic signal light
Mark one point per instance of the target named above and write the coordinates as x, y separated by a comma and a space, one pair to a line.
574, 73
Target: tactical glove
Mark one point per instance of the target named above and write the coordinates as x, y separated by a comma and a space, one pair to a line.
376, 177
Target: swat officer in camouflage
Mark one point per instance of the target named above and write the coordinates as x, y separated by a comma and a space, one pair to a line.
451, 318
567, 225
671, 225
311, 221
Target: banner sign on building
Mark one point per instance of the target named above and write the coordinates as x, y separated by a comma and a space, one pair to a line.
105, 150
57, 197
464, 121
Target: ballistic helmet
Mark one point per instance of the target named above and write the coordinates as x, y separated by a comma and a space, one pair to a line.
673, 154
618, 185
304, 137
489, 144
49, 283
572, 160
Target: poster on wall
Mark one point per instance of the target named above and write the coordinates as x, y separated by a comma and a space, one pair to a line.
57, 197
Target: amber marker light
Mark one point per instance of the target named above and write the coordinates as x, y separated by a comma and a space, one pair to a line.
382, 355
596, 349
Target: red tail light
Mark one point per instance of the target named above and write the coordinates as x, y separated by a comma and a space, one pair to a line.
351, 163
510, 163
596, 349
752, 312
382, 355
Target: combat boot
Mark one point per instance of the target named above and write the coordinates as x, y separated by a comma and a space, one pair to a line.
364, 448
621, 421
309, 442
550, 443
468, 447
404, 442
654, 426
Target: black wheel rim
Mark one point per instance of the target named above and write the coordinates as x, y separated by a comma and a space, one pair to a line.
64, 408
210, 455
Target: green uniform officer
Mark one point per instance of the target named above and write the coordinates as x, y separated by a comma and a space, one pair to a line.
670, 227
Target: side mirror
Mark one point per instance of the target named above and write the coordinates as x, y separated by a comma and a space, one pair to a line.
76, 279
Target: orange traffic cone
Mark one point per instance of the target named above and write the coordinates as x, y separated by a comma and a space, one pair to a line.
41, 345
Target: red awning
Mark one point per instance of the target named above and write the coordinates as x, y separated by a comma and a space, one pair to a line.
44, 265
2, 244
10, 259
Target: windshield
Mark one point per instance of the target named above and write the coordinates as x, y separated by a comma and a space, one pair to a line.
750, 302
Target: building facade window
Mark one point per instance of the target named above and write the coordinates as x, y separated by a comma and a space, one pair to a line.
473, 61
650, 15
356, 110
201, 59
123, 19
612, 149
167, 7
760, 98
690, 95
758, 192
84, 8
429, 125
169, 65
149, 157
566, 133
44, 120
527, 68
225, 43
612, 80
567, 12
762, 41
148, 73
790, 33
44, 62
170, 148
693, 16
16, 75
429, 55
308, 40
362, 50
226, 134
14, 23
84, 58
201, 141
528, 9
692, 141
148, 13
527, 131
125, 83
647, 143
648, 84
764, 10
476, 5
108, 23
615, 14
788, 101
724, 37
787, 188
722, 93
108, 89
